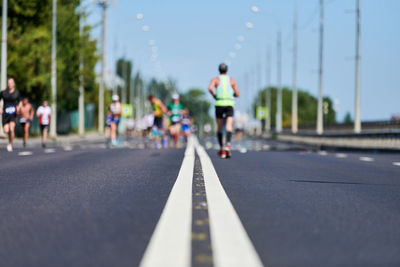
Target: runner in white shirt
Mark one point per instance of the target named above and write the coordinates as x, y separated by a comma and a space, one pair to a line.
44, 115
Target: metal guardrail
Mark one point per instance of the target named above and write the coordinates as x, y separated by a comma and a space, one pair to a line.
376, 129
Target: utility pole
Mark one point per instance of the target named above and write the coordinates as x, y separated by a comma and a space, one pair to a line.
320, 127
357, 121
137, 98
268, 124
53, 121
4, 46
259, 83
3, 82
124, 89
103, 4
81, 108
279, 80
294, 89
246, 82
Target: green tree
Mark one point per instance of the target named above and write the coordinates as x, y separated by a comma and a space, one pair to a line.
195, 100
124, 71
29, 51
162, 90
307, 107
347, 118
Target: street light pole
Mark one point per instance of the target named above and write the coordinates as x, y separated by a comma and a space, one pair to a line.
279, 81
81, 127
103, 4
3, 82
320, 128
4, 46
53, 122
294, 89
357, 121
269, 89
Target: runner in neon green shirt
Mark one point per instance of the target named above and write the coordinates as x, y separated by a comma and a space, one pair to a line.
225, 91
175, 110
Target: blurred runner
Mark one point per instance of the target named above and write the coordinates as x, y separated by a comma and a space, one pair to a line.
186, 123
44, 115
11, 98
116, 110
108, 124
175, 110
239, 125
158, 111
26, 116
226, 90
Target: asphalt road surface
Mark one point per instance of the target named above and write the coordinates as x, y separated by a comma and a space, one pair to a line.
87, 205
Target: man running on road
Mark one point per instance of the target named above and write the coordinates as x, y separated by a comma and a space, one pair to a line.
226, 90
11, 98
44, 115
26, 116
158, 111
175, 110
116, 110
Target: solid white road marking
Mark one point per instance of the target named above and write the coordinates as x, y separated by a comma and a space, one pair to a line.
170, 245
230, 243
25, 153
341, 155
49, 150
396, 164
366, 159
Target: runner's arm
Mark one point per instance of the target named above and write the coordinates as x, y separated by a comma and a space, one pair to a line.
163, 108
211, 88
235, 87
19, 107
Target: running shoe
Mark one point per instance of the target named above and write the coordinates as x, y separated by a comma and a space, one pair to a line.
222, 153
9, 148
227, 149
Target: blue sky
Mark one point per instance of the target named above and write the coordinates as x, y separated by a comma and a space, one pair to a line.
193, 37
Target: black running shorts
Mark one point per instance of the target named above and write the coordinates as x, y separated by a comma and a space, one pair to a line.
224, 112
7, 118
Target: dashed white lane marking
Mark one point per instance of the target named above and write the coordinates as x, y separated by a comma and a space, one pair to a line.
170, 245
322, 153
367, 159
25, 153
49, 150
396, 164
230, 242
68, 148
341, 155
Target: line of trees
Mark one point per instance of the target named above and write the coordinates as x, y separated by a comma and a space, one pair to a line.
307, 107
29, 51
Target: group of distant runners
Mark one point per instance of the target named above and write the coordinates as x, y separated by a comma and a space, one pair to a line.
14, 107
223, 88
179, 124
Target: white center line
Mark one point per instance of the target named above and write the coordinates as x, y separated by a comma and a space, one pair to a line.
25, 153
396, 164
49, 150
367, 159
170, 244
341, 155
230, 242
